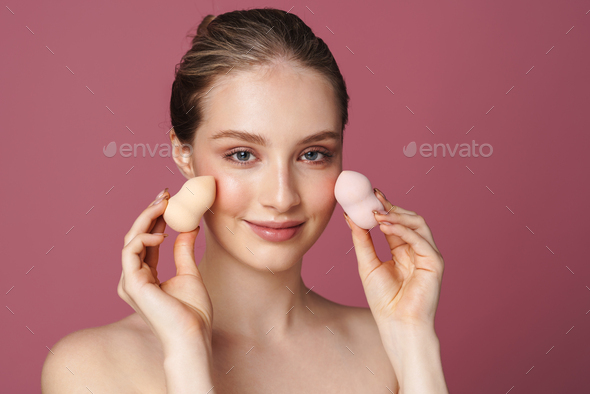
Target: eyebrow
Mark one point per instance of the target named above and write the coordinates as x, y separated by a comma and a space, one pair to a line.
260, 140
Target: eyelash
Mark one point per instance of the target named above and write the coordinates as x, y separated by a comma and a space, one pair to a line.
326, 153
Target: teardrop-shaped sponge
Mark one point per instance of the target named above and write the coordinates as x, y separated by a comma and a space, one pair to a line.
186, 208
354, 193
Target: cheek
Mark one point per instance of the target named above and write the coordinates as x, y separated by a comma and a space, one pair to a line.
232, 194
232, 189
319, 194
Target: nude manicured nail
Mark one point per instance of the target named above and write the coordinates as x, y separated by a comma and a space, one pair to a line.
161, 193
165, 235
346, 219
380, 192
159, 200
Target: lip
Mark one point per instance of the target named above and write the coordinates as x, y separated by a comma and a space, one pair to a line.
276, 234
288, 223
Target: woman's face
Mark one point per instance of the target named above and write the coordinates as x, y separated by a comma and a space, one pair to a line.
284, 178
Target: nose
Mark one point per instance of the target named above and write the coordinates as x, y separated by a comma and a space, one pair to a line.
279, 189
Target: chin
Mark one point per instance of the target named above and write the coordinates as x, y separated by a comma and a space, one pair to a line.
277, 257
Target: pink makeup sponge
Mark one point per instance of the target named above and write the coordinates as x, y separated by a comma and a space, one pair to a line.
354, 193
185, 208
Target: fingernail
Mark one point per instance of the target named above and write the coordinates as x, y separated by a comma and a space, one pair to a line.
165, 235
380, 192
380, 212
159, 200
161, 193
386, 223
346, 219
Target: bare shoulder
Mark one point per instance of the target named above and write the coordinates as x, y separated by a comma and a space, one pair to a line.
361, 334
356, 323
94, 359
362, 329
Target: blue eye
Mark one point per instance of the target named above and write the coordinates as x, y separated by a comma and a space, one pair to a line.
314, 153
244, 153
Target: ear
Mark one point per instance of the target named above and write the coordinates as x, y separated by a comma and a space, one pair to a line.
182, 155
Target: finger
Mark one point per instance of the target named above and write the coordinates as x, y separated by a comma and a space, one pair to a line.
152, 224
184, 253
364, 248
152, 252
393, 240
130, 253
165, 195
425, 256
388, 206
146, 219
414, 222
411, 216
152, 229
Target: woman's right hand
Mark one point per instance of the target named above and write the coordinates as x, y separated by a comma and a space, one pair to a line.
178, 311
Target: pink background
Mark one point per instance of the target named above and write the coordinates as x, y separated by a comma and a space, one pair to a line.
509, 294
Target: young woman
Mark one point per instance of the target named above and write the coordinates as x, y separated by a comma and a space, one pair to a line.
261, 105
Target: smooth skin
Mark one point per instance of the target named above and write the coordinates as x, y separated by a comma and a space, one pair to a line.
403, 294
178, 308
243, 321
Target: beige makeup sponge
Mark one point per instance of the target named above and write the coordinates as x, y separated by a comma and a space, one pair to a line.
354, 193
185, 208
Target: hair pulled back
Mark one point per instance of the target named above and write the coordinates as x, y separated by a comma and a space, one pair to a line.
239, 40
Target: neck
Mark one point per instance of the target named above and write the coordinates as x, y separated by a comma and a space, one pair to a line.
248, 302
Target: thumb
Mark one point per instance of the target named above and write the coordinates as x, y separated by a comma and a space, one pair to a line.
184, 253
364, 248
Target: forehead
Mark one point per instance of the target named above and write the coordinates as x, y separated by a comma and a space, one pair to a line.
279, 102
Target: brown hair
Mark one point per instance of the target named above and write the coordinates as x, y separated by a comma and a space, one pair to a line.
239, 40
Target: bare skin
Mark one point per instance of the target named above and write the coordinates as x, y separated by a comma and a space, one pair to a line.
313, 360
265, 338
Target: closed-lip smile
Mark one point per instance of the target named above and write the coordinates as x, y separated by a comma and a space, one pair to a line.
276, 231
271, 224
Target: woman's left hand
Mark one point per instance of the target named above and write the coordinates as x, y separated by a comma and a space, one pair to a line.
405, 289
